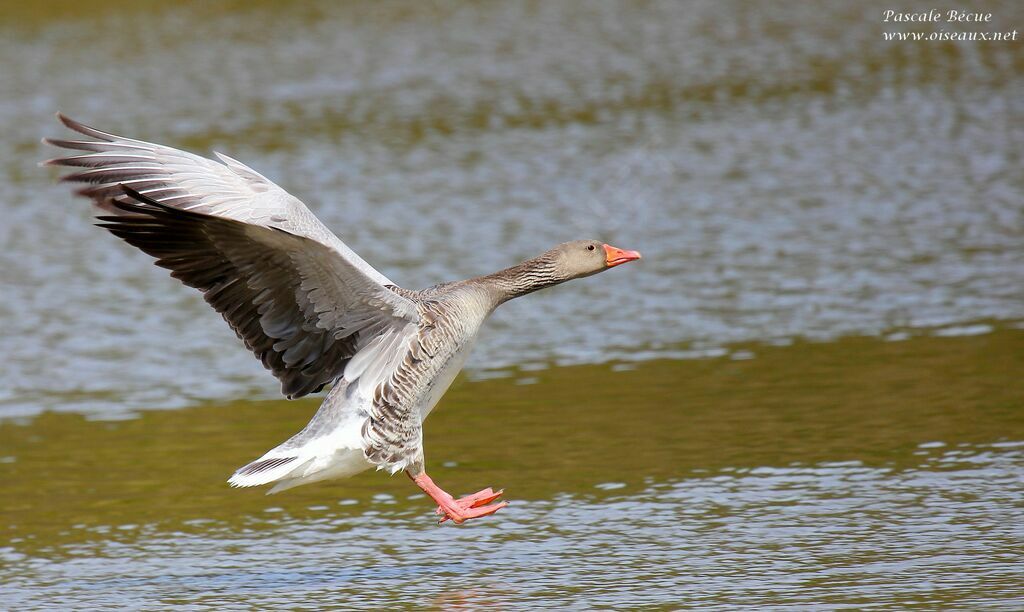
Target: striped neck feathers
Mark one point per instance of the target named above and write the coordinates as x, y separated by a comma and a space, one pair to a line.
531, 275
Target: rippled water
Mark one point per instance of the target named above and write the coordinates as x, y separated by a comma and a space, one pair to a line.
833, 533
852, 473
807, 394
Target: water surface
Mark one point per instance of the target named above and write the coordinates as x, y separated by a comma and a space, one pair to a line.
808, 393
858, 472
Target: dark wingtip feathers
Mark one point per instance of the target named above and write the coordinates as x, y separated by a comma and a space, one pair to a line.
261, 466
81, 128
148, 206
135, 195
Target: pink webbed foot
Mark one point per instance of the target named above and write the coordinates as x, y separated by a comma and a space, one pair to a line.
479, 499
462, 509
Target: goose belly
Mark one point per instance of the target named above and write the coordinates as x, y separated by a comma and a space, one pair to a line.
444, 378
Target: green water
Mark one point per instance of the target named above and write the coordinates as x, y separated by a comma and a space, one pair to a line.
857, 472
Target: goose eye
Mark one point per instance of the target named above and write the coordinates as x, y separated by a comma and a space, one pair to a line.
590, 248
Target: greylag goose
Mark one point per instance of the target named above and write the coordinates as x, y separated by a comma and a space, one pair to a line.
308, 307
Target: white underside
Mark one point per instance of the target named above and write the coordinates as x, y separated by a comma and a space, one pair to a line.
338, 452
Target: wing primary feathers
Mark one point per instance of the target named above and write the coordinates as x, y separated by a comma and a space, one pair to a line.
254, 276
302, 301
135, 195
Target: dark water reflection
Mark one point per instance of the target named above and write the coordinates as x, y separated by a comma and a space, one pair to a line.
857, 472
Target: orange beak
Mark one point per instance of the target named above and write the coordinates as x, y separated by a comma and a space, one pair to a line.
615, 256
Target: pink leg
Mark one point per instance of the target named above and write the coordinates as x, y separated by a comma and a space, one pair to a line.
459, 510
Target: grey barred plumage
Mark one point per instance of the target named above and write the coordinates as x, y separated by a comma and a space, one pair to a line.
392, 435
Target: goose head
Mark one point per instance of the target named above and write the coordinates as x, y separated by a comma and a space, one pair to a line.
581, 258
565, 262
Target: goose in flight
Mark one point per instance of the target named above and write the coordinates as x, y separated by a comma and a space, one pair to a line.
310, 309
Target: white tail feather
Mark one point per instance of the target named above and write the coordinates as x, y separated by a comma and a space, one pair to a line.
267, 469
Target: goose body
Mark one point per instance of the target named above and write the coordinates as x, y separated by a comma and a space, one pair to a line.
308, 307
332, 445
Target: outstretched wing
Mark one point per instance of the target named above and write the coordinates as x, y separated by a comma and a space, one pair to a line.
301, 300
302, 310
185, 181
